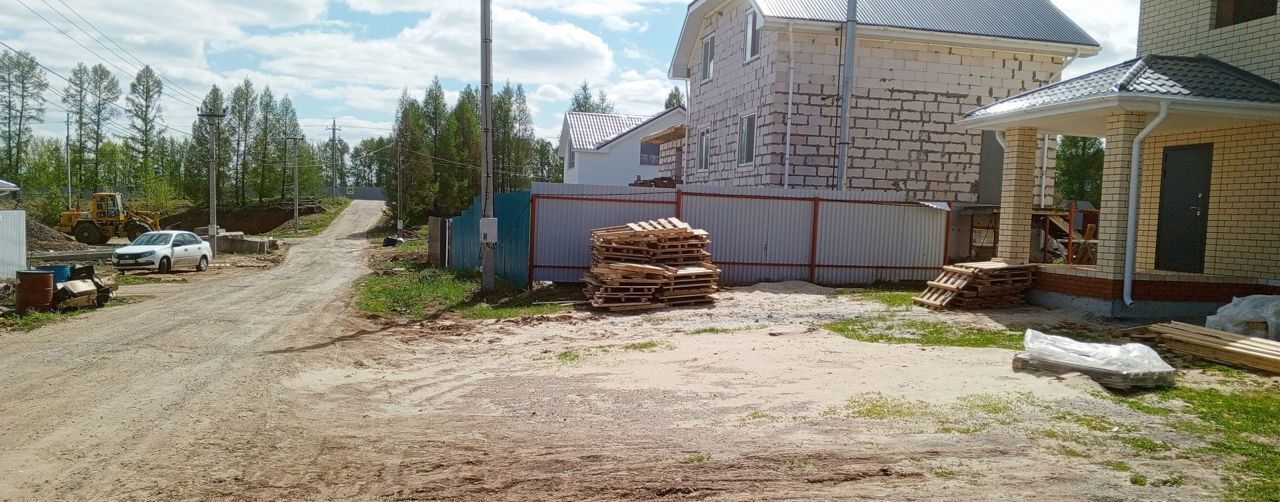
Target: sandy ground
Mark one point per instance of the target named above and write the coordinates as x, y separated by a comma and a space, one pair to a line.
262, 387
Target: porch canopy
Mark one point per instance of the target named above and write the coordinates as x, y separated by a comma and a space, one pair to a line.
1125, 103
6, 187
1204, 93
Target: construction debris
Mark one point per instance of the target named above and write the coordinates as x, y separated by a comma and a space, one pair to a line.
978, 285
1218, 346
1122, 367
1257, 316
650, 264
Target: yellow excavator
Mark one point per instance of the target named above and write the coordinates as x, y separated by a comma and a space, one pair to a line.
106, 218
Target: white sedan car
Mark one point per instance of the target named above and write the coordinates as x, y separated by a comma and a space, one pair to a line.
161, 251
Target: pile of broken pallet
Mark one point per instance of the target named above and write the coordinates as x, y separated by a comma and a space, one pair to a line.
650, 264
1218, 346
978, 285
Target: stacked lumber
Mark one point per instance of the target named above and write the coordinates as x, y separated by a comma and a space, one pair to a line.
650, 264
978, 285
1219, 346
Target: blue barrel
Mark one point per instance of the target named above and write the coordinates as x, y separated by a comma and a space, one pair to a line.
61, 273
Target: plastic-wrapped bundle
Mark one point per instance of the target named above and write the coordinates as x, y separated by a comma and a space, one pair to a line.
1257, 316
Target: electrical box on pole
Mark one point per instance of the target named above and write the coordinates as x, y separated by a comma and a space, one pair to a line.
489, 231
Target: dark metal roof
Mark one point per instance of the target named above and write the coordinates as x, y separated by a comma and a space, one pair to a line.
1017, 19
1173, 76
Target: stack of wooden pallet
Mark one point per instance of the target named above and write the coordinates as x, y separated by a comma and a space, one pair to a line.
650, 264
978, 285
1218, 346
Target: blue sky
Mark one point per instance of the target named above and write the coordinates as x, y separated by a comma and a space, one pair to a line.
350, 59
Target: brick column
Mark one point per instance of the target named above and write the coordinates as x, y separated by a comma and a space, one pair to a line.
1017, 194
1122, 128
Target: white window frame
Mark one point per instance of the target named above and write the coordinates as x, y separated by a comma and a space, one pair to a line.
704, 149
708, 58
751, 43
742, 122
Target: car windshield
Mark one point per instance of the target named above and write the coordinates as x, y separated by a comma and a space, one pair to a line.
153, 240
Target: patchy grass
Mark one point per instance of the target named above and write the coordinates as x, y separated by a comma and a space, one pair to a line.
646, 346
412, 293
696, 458
942, 473
993, 404
713, 330
887, 329
1072, 436
877, 406
35, 320
1138, 479
1145, 445
569, 356
1068, 451
312, 224
1093, 422
895, 296
1247, 431
1118, 465
757, 415
486, 311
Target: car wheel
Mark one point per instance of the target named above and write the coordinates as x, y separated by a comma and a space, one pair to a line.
203, 265
164, 266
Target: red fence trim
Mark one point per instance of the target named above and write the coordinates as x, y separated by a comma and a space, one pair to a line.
812, 265
813, 243
601, 199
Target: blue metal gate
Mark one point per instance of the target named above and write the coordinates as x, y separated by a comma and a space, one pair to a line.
512, 253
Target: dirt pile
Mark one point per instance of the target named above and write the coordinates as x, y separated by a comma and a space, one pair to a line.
42, 238
250, 220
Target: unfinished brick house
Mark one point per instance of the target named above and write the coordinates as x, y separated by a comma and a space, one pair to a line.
752, 65
1190, 183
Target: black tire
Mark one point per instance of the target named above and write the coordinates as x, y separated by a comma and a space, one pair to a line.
164, 265
87, 232
135, 228
203, 265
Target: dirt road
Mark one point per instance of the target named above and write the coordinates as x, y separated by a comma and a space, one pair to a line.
173, 395
264, 387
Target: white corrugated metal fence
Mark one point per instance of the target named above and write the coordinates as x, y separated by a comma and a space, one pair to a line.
757, 234
13, 243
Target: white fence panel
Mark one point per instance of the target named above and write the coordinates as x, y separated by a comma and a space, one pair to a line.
757, 234
13, 243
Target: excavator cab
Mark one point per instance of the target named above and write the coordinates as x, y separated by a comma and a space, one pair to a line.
107, 206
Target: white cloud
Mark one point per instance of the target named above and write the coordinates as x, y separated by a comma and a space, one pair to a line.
639, 93
617, 23
1113, 23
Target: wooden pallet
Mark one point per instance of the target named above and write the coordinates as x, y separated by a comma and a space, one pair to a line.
978, 285
650, 264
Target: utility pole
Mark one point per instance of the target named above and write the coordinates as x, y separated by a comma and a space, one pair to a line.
333, 150
846, 90
215, 120
399, 188
488, 224
292, 158
67, 150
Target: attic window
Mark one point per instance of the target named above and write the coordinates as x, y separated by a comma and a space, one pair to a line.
1233, 12
708, 58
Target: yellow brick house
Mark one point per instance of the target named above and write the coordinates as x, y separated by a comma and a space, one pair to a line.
1190, 212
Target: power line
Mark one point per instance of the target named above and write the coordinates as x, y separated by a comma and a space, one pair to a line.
126, 51
65, 79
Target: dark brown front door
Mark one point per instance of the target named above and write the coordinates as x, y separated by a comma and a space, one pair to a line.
1183, 229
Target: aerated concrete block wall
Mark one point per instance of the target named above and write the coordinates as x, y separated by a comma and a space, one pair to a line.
1187, 28
908, 98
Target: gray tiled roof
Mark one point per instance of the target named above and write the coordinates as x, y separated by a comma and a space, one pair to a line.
1018, 19
589, 131
1192, 77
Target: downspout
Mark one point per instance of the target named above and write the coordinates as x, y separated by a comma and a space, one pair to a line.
1135, 181
846, 92
791, 76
